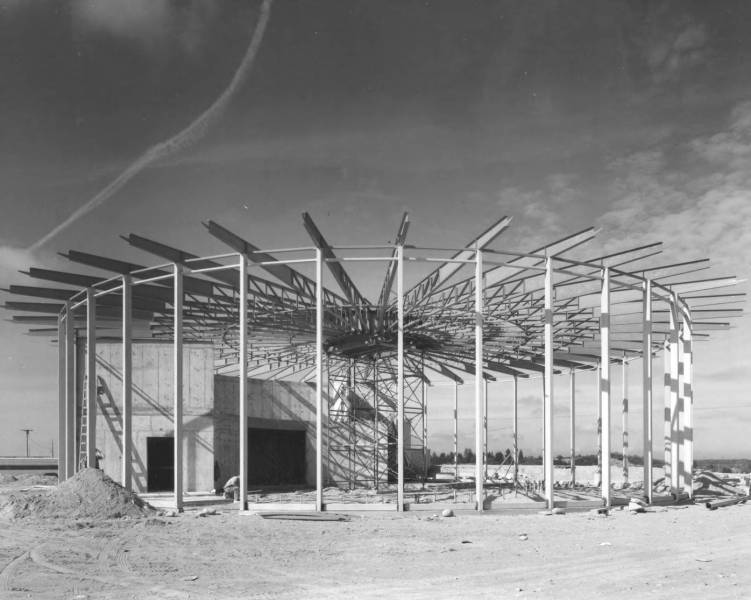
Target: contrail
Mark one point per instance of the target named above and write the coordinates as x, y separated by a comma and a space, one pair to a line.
181, 140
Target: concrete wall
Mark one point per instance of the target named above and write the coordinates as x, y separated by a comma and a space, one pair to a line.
153, 407
271, 405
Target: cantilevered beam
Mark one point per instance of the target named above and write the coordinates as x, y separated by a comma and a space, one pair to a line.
303, 285
192, 285
269, 291
340, 275
388, 282
111, 299
446, 270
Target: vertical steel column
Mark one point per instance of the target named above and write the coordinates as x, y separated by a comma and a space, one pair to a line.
675, 474
456, 430
485, 426
479, 471
688, 408
177, 384
376, 443
667, 425
424, 389
91, 383
400, 377
598, 425
605, 383
70, 391
516, 432
242, 315
127, 358
319, 380
572, 413
548, 388
624, 417
646, 353
62, 447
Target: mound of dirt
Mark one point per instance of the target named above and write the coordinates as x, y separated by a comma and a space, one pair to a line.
90, 494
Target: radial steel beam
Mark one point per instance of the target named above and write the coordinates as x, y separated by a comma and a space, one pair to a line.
337, 270
384, 298
548, 388
605, 383
303, 285
191, 285
446, 270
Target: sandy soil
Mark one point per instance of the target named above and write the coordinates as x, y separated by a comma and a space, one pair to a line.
687, 552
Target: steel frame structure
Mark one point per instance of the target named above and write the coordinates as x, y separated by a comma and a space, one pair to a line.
480, 313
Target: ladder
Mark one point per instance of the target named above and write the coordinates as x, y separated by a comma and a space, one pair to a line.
83, 435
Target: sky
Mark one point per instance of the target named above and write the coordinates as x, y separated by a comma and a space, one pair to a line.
634, 117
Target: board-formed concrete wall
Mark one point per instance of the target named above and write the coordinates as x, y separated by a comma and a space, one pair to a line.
271, 405
153, 407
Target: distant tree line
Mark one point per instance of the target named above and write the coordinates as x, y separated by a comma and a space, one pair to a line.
498, 457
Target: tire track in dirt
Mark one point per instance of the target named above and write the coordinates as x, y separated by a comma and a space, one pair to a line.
6, 575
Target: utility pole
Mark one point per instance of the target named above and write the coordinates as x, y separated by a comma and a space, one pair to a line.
27, 440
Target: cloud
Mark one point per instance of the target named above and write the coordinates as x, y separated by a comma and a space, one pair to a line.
11, 261
153, 24
180, 141
673, 52
699, 205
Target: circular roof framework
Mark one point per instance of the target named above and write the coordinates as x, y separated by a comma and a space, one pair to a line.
478, 311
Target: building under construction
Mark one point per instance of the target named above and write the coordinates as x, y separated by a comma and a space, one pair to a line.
175, 376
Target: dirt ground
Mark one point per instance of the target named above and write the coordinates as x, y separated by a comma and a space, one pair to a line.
667, 552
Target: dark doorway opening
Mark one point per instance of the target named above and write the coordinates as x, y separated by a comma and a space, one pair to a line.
160, 464
276, 456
